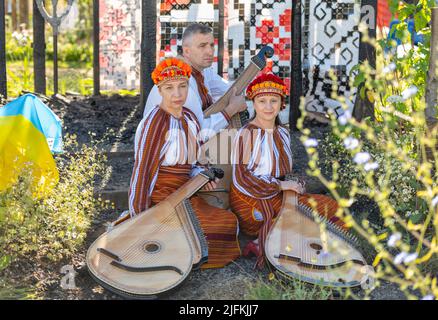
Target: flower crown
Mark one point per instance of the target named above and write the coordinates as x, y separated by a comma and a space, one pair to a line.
171, 69
266, 84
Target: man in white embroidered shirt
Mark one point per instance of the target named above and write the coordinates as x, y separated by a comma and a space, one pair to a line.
205, 85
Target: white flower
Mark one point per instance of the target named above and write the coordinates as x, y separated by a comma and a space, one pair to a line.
394, 99
428, 297
310, 143
351, 143
405, 257
20, 37
409, 92
400, 257
394, 238
371, 166
410, 257
390, 67
361, 157
343, 119
434, 201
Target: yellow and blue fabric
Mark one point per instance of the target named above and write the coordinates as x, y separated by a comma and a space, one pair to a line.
29, 133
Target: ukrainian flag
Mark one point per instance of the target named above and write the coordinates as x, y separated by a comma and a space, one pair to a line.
29, 133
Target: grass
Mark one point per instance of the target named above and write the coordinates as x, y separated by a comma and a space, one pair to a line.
285, 289
73, 77
12, 292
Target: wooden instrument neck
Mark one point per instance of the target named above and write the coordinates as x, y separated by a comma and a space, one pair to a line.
187, 189
290, 199
240, 84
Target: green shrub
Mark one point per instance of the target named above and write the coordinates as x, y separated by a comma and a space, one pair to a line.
72, 52
54, 226
401, 183
387, 162
285, 289
10, 291
18, 46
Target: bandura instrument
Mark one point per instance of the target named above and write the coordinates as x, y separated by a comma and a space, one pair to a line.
298, 246
217, 150
153, 252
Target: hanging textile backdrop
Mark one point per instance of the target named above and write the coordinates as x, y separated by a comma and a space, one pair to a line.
119, 44
330, 41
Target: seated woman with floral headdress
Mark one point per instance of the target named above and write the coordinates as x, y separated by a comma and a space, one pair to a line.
261, 157
166, 157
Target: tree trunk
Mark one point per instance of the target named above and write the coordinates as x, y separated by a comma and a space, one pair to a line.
14, 15
24, 13
432, 77
432, 84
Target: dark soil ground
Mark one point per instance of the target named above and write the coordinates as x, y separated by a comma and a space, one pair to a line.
114, 120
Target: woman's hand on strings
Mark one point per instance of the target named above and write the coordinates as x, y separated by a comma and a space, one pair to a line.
292, 185
210, 186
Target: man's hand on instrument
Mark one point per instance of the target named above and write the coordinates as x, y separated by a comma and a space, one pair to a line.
237, 104
292, 185
210, 186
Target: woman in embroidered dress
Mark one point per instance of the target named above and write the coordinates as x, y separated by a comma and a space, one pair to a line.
261, 157
166, 157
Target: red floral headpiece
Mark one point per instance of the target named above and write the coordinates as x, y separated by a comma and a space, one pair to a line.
171, 69
266, 83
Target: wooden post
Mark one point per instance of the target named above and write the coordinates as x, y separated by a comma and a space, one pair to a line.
363, 107
39, 51
3, 83
296, 74
14, 15
432, 76
96, 66
220, 55
24, 12
148, 48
